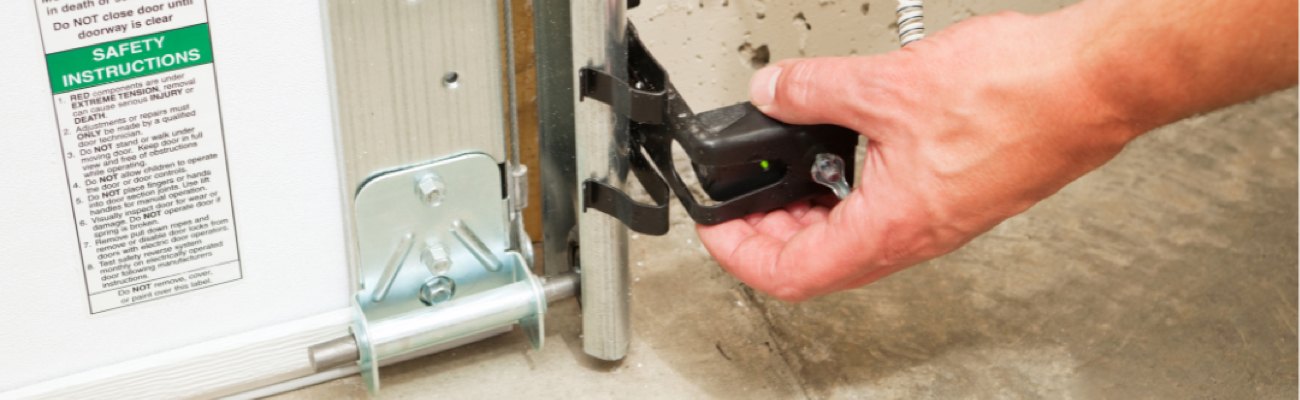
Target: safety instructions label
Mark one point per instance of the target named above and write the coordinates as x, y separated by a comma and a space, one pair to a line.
139, 122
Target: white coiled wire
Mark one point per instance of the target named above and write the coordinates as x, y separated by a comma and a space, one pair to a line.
911, 25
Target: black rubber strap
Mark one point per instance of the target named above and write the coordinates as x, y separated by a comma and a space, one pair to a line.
649, 219
638, 105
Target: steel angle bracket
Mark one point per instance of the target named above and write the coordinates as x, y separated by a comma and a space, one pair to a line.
434, 265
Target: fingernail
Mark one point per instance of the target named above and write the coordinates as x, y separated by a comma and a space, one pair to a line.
762, 87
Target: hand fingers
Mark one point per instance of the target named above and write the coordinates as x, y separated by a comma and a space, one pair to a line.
779, 224
798, 209
817, 91
786, 258
826, 253
805, 213
815, 215
738, 246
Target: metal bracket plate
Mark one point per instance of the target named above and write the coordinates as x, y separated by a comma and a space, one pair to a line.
435, 264
399, 222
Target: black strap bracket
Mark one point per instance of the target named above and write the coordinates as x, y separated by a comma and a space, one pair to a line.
649, 219
638, 105
745, 161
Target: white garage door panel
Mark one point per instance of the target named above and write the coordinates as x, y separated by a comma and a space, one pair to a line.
274, 102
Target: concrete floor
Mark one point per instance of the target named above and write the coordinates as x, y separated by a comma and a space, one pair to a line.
1169, 273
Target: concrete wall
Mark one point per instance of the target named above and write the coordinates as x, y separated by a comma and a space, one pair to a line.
711, 47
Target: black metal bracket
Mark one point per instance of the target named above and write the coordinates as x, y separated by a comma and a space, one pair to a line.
650, 219
638, 105
745, 161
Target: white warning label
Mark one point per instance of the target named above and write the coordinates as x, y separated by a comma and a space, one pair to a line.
139, 122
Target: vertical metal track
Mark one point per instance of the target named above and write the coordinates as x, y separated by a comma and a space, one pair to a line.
599, 41
554, 50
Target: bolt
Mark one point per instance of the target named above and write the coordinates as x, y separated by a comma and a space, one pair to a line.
436, 290
430, 189
828, 170
435, 258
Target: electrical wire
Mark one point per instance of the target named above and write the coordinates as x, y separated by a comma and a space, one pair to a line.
911, 24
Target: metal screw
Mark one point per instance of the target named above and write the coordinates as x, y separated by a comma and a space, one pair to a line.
828, 170
436, 290
435, 258
430, 189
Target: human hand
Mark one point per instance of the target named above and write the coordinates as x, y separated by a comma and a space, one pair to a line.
966, 128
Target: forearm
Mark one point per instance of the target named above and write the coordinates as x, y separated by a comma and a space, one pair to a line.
1160, 61
979, 121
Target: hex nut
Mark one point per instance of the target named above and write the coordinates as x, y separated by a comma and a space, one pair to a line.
431, 190
435, 258
437, 290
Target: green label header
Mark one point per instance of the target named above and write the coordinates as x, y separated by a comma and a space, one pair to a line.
129, 58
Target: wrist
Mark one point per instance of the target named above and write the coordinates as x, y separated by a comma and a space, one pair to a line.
1137, 82
1097, 99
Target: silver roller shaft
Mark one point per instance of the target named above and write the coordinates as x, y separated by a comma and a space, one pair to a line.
435, 326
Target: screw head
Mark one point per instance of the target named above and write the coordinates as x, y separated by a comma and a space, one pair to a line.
431, 189
437, 290
451, 80
435, 258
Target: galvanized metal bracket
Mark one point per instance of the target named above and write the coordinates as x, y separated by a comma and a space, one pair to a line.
434, 260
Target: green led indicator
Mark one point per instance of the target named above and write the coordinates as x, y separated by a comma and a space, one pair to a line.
764, 164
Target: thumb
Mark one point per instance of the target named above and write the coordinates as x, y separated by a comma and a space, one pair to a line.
811, 90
